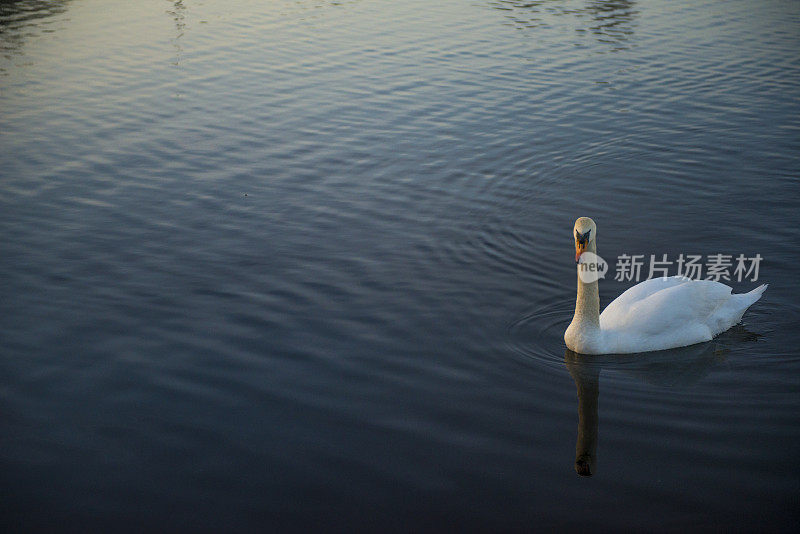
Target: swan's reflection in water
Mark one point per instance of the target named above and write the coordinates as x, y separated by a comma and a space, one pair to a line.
586, 375
676, 367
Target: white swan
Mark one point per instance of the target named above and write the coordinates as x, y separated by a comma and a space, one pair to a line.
657, 314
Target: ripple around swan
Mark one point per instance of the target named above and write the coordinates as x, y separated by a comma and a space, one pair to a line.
537, 336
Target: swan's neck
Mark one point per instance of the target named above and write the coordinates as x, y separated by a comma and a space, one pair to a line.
587, 305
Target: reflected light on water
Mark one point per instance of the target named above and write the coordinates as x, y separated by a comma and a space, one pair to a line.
611, 23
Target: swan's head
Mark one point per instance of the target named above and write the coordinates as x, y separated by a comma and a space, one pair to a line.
585, 232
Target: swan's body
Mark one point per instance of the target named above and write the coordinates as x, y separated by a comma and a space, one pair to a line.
657, 314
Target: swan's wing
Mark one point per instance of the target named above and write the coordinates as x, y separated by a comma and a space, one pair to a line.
641, 291
673, 306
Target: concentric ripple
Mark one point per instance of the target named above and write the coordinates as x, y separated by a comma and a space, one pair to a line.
539, 334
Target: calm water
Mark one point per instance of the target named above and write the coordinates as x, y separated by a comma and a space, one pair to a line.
308, 264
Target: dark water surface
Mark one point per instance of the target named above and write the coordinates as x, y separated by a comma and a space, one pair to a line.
307, 264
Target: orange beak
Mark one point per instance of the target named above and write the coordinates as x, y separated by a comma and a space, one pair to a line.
579, 248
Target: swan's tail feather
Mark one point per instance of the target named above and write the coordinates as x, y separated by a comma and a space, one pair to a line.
741, 301
731, 313
754, 295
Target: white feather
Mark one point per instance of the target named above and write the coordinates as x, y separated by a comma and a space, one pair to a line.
664, 313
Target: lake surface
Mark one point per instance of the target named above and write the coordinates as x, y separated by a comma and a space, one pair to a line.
307, 265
